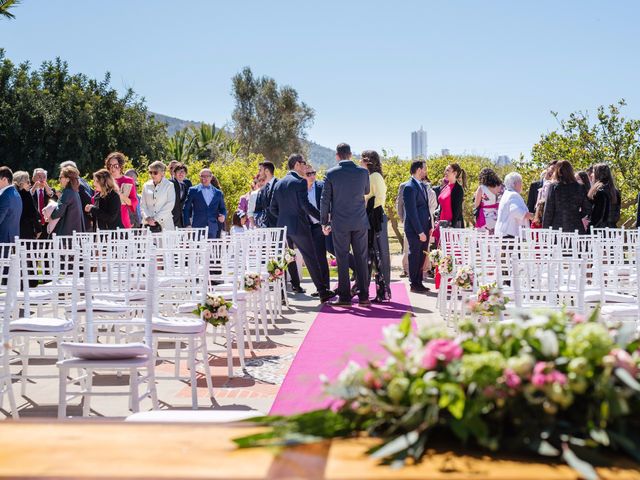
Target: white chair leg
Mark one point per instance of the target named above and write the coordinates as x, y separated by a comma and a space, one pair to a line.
12, 399
151, 379
62, 393
240, 320
134, 390
24, 354
263, 312
229, 350
206, 366
86, 398
192, 373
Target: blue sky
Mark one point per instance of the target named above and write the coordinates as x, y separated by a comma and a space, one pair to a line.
480, 76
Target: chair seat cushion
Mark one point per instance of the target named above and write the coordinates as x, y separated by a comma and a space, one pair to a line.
99, 305
41, 324
591, 296
119, 297
37, 294
178, 325
106, 351
619, 310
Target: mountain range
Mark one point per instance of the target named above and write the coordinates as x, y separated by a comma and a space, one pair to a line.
317, 155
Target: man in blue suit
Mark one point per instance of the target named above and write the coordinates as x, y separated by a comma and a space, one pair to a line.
342, 204
204, 206
290, 205
314, 189
10, 207
417, 223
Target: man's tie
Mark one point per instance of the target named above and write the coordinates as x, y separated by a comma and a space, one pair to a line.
41, 205
266, 193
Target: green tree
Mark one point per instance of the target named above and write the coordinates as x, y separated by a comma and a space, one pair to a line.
49, 115
268, 119
6, 6
610, 139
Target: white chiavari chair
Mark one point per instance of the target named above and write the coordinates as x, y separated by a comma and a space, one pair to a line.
10, 281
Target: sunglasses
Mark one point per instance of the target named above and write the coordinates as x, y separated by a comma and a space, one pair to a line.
114, 165
153, 172
310, 174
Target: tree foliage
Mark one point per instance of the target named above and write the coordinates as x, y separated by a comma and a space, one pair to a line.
49, 115
610, 139
268, 119
6, 6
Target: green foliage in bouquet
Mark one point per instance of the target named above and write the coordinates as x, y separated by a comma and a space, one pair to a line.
553, 383
215, 310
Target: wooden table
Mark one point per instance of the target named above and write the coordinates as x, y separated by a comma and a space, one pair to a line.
122, 450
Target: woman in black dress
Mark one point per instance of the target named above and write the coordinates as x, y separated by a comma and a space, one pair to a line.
567, 207
604, 196
30, 226
106, 209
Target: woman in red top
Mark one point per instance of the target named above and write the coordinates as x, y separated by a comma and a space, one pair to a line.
126, 186
451, 195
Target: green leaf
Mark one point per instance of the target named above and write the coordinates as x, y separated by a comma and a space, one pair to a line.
396, 445
546, 449
405, 324
600, 436
627, 378
583, 468
626, 444
452, 398
626, 334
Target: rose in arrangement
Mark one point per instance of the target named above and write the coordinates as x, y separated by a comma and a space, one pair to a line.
446, 265
489, 301
435, 256
289, 255
276, 269
464, 277
252, 281
541, 381
215, 310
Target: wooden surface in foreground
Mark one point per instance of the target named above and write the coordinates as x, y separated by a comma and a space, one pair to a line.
119, 450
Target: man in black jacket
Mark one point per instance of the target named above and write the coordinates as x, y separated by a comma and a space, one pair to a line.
181, 185
264, 217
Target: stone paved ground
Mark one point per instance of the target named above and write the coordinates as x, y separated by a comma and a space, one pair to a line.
253, 389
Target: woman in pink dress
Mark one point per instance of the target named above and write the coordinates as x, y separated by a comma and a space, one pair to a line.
126, 186
451, 196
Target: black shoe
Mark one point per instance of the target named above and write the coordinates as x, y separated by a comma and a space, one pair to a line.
298, 289
315, 294
404, 275
354, 290
419, 289
341, 303
327, 296
364, 302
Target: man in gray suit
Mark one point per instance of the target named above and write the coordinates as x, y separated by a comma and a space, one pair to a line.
343, 213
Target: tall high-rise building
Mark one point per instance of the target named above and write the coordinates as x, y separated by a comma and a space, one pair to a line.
445, 152
419, 144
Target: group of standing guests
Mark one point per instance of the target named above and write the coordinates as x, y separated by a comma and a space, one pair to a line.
32, 209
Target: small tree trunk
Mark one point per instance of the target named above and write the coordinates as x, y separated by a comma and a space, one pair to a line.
393, 219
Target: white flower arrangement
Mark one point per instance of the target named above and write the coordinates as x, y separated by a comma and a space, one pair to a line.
464, 277
252, 281
445, 267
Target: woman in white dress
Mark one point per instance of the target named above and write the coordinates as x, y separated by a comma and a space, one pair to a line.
158, 199
487, 200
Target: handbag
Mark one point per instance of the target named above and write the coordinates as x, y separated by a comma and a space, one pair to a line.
157, 228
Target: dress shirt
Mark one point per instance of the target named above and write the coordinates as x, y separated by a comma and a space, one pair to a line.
311, 194
251, 208
377, 189
511, 212
207, 193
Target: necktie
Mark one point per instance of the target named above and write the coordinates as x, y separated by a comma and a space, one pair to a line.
266, 193
41, 205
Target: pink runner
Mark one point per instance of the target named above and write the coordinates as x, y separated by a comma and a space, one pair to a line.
336, 336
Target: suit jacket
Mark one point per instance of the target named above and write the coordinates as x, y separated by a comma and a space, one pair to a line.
565, 207
417, 219
532, 198
106, 211
30, 224
157, 202
181, 197
198, 214
290, 204
69, 211
262, 211
46, 199
10, 212
345, 186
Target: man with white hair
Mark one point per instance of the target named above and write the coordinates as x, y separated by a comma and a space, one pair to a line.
42, 194
204, 205
512, 211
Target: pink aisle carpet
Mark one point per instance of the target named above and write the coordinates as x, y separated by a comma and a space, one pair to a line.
337, 336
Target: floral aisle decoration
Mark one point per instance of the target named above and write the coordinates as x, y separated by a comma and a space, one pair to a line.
276, 269
435, 256
540, 382
289, 255
215, 310
464, 277
252, 281
445, 267
489, 301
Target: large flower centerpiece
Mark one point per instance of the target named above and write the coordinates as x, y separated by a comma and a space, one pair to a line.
489, 301
549, 382
464, 277
215, 310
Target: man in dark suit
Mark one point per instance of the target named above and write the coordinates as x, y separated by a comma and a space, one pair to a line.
204, 206
417, 223
314, 189
343, 214
10, 207
532, 198
42, 194
262, 213
290, 205
181, 185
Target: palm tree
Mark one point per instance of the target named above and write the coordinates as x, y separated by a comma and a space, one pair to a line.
5, 6
180, 147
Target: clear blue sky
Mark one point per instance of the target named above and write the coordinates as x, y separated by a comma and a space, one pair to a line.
481, 77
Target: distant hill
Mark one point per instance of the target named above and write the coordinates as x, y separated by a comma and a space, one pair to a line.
318, 155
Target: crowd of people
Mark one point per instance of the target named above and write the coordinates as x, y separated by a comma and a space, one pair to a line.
342, 215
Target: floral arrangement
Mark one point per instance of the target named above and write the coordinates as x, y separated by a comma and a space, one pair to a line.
289, 255
214, 310
548, 382
252, 281
446, 265
435, 256
464, 277
489, 301
276, 269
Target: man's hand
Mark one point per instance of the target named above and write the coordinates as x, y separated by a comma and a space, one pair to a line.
221, 218
151, 221
326, 229
422, 237
88, 207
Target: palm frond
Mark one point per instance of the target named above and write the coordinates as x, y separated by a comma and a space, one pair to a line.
6, 5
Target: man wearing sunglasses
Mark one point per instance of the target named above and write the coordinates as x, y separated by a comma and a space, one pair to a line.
290, 205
